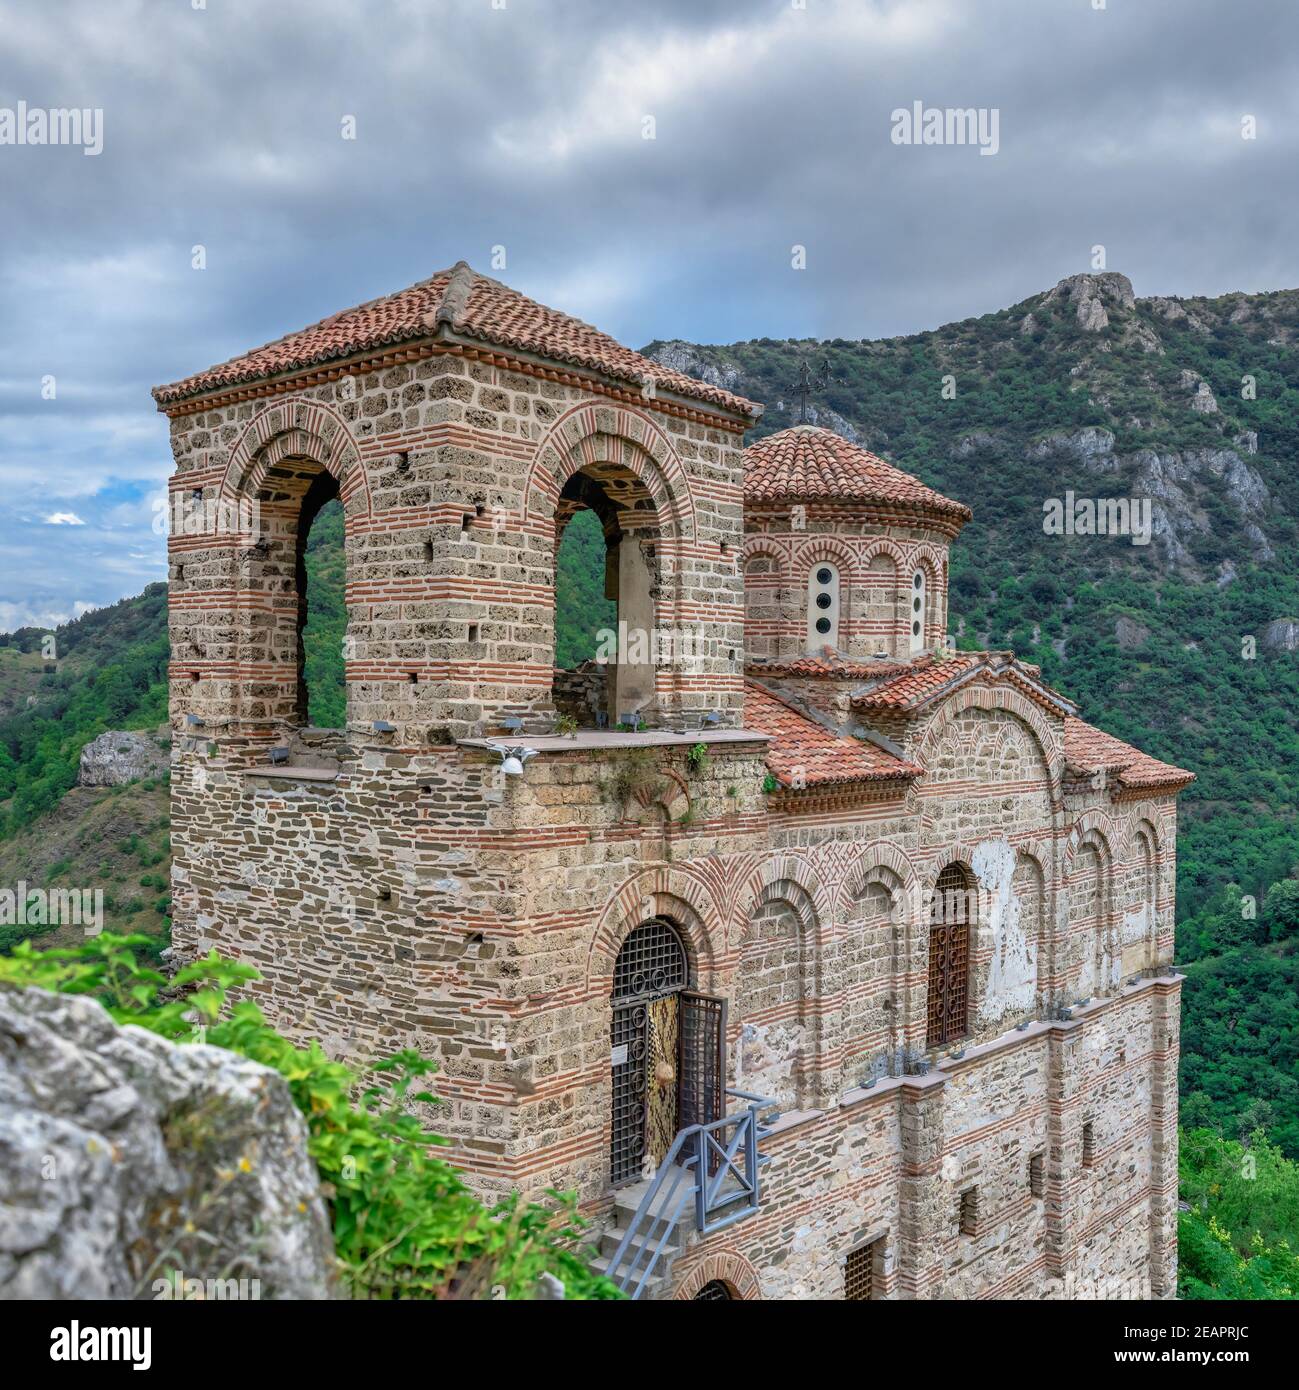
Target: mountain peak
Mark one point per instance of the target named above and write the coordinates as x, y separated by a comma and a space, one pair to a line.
1090, 293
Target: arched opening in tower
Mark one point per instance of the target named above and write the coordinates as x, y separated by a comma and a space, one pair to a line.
606, 529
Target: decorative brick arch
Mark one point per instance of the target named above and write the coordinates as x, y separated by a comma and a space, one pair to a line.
1002, 698
1094, 824
665, 890
818, 548
764, 548
298, 428
1138, 824
882, 854
770, 872
882, 545
726, 1266
931, 557
592, 433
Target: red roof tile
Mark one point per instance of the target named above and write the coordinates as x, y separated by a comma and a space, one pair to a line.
468, 305
807, 463
804, 753
923, 678
928, 677
1088, 749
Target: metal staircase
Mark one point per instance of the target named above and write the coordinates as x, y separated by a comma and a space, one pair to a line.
709, 1179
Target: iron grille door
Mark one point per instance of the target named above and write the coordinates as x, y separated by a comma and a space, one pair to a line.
701, 1073
651, 965
949, 960
630, 1038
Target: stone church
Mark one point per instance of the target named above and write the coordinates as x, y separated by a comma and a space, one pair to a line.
821, 960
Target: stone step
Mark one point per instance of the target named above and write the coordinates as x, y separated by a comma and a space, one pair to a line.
672, 1246
656, 1286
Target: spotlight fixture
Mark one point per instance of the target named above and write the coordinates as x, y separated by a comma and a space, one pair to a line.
193, 721
279, 756
382, 726
512, 759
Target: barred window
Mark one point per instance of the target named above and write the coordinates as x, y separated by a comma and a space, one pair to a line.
967, 1214
949, 958
862, 1272
1037, 1175
652, 962
1089, 1144
714, 1291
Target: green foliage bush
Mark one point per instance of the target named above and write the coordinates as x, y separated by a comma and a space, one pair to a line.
1239, 1235
404, 1223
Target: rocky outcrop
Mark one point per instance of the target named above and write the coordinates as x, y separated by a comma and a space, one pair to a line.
1172, 479
1281, 635
118, 757
980, 442
125, 1158
684, 357
1130, 634
1092, 296
1091, 446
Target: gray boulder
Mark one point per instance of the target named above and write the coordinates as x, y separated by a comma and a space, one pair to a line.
118, 757
125, 1158
1281, 635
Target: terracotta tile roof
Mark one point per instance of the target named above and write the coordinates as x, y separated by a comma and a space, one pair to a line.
929, 677
803, 752
1088, 749
458, 301
920, 679
807, 463
832, 664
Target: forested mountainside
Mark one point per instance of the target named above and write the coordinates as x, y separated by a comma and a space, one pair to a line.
1187, 646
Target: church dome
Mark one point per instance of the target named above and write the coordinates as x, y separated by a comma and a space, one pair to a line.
809, 464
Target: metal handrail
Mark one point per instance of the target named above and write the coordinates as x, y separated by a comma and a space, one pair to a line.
691, 1178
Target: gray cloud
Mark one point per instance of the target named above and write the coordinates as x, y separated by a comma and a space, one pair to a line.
479, 126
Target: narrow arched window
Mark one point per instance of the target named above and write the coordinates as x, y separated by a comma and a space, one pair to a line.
949, 958
917, 614
822, 607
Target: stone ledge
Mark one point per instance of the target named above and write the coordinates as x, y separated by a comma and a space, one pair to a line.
792, 1119
293, 774
593, 740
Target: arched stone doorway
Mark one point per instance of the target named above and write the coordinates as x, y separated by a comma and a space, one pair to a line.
667, 1051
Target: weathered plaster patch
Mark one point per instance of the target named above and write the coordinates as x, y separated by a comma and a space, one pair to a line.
767, 1058
1012, 976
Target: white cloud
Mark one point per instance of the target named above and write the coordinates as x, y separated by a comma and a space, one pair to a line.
63, 519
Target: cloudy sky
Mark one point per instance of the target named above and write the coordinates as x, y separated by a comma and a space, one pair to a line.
522, 124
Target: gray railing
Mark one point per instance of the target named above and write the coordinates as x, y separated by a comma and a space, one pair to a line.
715, 1165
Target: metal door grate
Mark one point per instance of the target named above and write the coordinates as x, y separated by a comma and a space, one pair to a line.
714, 1291
859, 1272
949, 958
651, 964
